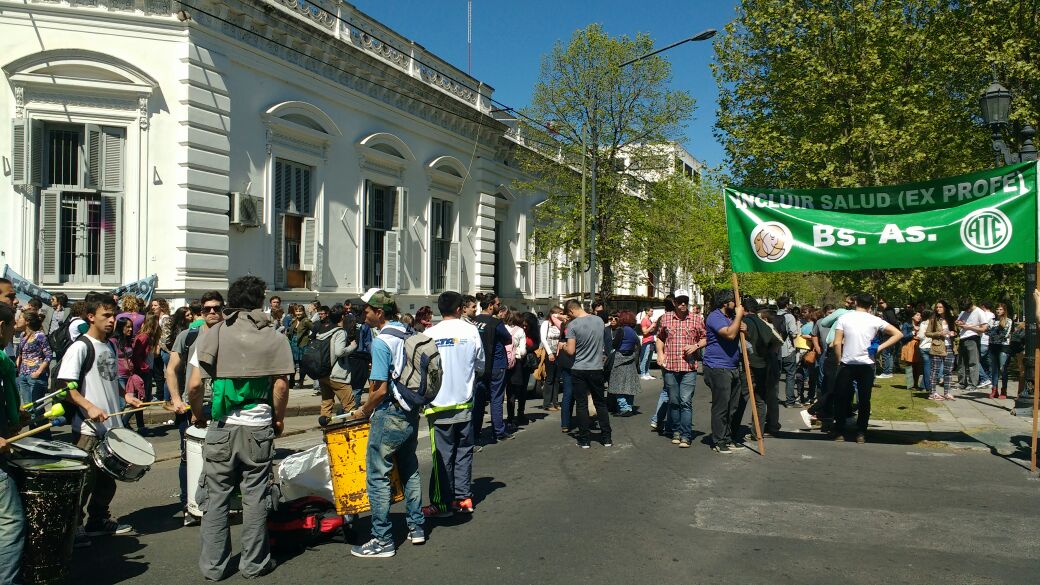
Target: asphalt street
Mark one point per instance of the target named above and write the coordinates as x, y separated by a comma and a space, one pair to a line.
645, 511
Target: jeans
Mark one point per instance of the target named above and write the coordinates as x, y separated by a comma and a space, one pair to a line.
235, 455
590, 383
489, 388
12, 529
394, 434
998, 370
182, 421
644, 358
887, 358
789, 365
681, 386
161, 391
824, 409
968, 368
926, 373
725, 385
942, 370
30, 388
984, 367
567, 381
862, 375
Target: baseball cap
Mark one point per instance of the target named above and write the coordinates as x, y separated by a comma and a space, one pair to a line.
681, 296
378, 299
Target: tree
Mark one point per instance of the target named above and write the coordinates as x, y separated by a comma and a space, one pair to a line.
872, 92
625, 115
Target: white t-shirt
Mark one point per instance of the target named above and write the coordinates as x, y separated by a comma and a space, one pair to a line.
860, 328
260, 415
461, 352
988, 318
975, 317
100, 385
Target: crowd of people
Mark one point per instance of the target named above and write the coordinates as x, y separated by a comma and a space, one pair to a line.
587, 365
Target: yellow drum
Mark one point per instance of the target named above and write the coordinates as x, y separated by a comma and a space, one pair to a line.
347, 443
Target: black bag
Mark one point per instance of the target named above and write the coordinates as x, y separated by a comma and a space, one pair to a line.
303, 523
59, 339
316, 361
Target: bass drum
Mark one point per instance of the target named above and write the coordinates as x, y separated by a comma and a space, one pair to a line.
124, 454
50, 491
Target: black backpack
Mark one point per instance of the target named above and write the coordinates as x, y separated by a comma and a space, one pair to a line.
303, 523
316, 361
781, 326
59, 339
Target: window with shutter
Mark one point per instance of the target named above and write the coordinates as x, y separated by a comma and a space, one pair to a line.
453, 280
111, 238
309, 244
92, 177
442, 234
293, 202
381, 203
111, 165
19, 151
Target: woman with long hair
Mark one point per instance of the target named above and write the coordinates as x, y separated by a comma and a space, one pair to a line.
549, 335
624, 370
516, 388
999, 350
161, 309
909, 356
941, 330
34, 357
924, 350
299, 332
142, 358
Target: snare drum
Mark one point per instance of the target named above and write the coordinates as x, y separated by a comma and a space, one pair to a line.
50, 491
34, 448
123, 454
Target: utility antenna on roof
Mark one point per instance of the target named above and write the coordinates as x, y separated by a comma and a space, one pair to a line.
469, 36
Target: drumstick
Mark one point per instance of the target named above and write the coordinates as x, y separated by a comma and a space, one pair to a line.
128, 411
57, 421
59, 394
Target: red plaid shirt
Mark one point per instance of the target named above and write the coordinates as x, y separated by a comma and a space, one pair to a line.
676, 334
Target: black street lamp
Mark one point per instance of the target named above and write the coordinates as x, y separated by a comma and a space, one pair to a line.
996, 109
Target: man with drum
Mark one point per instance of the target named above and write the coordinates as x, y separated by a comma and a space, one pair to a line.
248, 411
178, 370
91, 363
12, 518
394, 432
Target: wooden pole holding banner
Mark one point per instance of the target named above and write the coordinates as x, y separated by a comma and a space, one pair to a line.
1036, 407
750, 382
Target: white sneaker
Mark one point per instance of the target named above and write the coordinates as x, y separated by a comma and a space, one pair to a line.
806, 418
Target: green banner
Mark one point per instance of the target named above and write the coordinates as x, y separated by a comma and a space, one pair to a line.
988, 217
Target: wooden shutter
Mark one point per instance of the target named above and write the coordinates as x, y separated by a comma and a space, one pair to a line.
111, 238
50, 237
391, 261
19, 151
309, 245
93, 153
542, 284
521, 238
452, 280
34, 146
399, 214
110, 167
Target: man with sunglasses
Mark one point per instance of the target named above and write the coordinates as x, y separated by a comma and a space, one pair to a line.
679, 335
178, 370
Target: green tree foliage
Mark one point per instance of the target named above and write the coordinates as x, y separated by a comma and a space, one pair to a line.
845, 93
625, 114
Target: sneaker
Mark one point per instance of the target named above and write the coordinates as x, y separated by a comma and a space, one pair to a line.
82, 540
584, 445
106, 528
653, 425
737, 446
1003, 395
839, 437
806, 418
608, 442
506, 437
676, 440
417, 535
267, 570
948, 397
722, 449
191, 519
464, 506
684, 444
861, 438
374, 549
437, 511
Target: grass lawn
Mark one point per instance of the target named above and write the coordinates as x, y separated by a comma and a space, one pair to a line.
891, 401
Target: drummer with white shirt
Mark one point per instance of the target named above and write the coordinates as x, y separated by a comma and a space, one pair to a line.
96, 398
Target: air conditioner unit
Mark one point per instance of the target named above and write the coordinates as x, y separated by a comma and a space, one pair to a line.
247, 210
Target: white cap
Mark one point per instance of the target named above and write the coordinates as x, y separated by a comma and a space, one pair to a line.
682, 292
368, 294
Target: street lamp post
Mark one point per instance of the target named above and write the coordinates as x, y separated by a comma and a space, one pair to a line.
996, 107
593, 168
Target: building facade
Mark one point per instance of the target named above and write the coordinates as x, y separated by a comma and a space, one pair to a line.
304, 143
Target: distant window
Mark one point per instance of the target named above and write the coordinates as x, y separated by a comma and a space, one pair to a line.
442, 230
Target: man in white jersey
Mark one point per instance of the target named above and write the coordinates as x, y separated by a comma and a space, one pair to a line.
449, 414
853, 334
90, 362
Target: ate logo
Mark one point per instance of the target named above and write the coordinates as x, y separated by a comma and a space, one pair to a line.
986, 231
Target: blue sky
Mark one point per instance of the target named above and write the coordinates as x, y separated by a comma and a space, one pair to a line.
510, 38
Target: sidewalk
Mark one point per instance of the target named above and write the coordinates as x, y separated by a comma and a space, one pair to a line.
972, 421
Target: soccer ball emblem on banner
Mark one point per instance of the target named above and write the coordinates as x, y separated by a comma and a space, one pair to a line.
771, 241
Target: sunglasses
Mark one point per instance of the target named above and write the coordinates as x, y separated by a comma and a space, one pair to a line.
11, 295
212, 309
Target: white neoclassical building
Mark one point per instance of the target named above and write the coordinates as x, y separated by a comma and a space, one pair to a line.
202, 140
